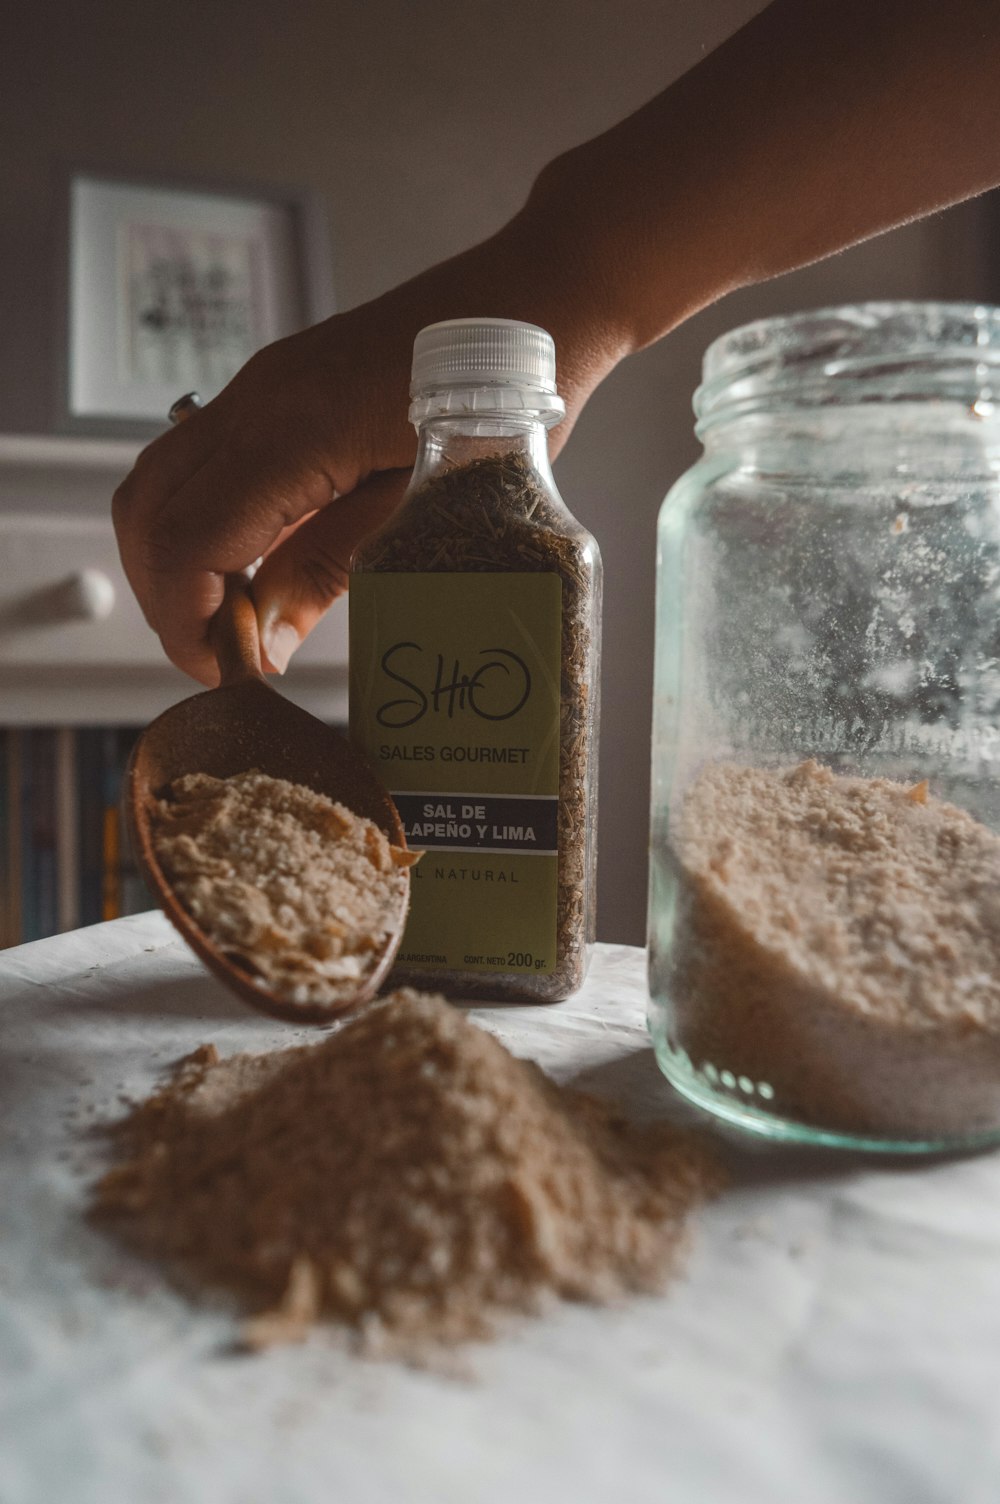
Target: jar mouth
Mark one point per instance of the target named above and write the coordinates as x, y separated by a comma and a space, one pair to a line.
858, 353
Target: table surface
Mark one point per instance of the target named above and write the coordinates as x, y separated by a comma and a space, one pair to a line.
834, 1339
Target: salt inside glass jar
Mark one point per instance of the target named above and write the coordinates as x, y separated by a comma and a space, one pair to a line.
824, 922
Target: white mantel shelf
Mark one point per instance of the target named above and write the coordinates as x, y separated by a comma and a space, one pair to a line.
62, 474
40, 451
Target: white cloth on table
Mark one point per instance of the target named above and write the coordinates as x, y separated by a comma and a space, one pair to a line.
834, 1339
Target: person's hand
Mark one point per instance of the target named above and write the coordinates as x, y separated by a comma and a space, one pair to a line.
318, 416
308, 449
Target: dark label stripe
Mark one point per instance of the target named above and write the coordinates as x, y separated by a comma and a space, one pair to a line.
471, 822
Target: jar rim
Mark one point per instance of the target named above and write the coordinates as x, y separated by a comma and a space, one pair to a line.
852, 353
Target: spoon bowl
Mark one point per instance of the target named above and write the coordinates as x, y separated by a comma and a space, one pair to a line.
246, 724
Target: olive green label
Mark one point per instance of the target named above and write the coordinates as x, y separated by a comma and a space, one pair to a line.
454, 695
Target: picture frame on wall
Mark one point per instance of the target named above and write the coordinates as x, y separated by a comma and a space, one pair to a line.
169, 287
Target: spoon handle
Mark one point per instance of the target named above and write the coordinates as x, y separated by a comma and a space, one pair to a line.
233, 634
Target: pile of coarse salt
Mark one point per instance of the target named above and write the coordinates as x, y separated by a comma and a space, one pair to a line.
406, 1175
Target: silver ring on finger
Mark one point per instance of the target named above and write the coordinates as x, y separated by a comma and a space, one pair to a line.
184, 407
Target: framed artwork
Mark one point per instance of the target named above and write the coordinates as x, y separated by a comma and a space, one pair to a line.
168, 288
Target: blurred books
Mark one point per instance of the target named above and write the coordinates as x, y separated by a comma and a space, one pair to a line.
64, 857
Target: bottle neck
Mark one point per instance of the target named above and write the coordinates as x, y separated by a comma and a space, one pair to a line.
447, 443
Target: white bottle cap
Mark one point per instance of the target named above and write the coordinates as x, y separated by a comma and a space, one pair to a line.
515, 363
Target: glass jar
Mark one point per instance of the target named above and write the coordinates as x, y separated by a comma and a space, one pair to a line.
824, 920
474, 652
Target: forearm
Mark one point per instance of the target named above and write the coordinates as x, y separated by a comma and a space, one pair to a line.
820, 123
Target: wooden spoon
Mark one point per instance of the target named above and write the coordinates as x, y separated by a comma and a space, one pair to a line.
241, 725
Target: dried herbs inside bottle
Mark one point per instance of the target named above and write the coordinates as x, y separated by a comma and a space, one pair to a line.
494, 524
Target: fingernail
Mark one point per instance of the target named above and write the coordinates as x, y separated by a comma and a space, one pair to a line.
279, 641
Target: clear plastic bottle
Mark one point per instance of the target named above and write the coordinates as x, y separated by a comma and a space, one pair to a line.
475, 655
824, 923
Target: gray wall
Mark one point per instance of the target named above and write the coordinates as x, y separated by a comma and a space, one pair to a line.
422, 126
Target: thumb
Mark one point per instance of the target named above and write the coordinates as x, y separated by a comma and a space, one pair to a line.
310, 568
